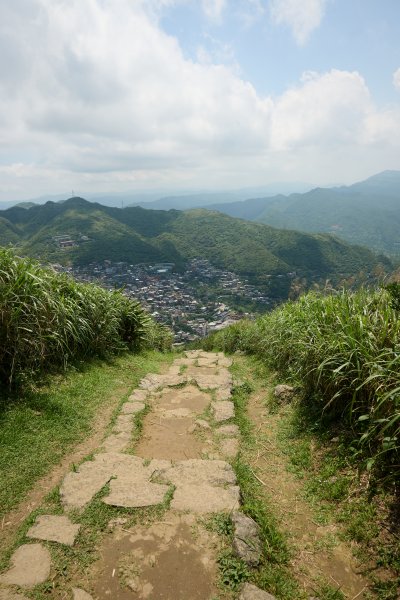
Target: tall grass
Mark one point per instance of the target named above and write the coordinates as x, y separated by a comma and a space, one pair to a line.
344, 351
48, 320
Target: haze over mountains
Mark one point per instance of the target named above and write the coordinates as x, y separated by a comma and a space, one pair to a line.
366, 213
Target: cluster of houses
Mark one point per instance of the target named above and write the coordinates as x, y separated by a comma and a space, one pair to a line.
193, 302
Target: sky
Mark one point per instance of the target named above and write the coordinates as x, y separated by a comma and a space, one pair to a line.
118, 95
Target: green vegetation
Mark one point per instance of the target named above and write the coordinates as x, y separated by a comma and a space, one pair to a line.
266, 256
343, 352
366, 213
49, 321
38, 428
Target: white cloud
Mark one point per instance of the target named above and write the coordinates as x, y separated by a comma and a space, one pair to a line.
214, 8
302, 16
396, 79
95, 96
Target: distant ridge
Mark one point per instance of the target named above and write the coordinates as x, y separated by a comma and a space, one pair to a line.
366, 213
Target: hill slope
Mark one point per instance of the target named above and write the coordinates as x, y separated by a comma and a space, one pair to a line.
269, 257
366, 213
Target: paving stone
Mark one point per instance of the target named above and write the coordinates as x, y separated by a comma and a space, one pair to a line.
117, 442
79, 594
133, 485
54, 528
205, 498
123, 424
184, 361
138, 396
207, 362
246, 541
224, 361
132, 408
229, 447
223, 410
79, 487
228, 430
223, 393
202, 486
251, 592
30, 566
192, 353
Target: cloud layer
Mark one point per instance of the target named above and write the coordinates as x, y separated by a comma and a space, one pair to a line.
302, 16
94, 95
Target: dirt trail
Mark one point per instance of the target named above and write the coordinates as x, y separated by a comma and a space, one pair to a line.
318, 554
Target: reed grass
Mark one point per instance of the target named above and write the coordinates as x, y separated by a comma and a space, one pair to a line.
343, 349
48, 320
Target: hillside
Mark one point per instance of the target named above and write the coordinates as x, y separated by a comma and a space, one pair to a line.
366, 213
269, 257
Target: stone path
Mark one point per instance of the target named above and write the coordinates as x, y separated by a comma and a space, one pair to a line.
186, 443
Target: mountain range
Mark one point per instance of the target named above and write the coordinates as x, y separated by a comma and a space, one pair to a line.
366, 213
267, 256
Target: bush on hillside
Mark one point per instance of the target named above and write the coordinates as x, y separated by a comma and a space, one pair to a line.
48, 320
344, 350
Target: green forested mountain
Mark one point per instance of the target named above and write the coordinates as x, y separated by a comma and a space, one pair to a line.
262, 253
366, 213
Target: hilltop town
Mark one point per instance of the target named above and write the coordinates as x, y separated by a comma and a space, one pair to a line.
193, 303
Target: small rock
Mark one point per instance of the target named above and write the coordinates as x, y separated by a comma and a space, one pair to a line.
229, 447
246, 542
251, 592
284, 393
54, 528
81, 594
30, 566
335, 440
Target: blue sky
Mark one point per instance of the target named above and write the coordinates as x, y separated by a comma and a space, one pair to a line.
117, 95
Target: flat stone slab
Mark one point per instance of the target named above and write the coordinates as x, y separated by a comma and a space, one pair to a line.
129, 477
79, 594
223, 393
123, 424
54, 528
224, 361
202, 486
223, 410
30, 566
228, 430
204, 499
132, 408
117, 442
246, 541
229, 447
138, 396
251, 592
133, 486
153, 382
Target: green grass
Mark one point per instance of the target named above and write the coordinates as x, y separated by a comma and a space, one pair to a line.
38, 429
342, 349
48, 321
333, 486
273, 574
